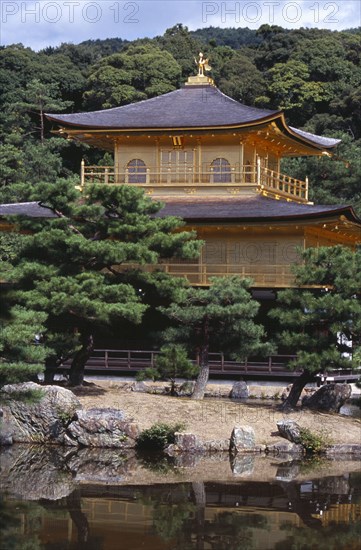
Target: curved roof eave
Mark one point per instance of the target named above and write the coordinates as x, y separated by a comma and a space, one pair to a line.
257, 209
323, 142
158, 129
193, 109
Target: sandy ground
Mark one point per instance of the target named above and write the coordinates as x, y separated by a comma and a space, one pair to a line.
214, 418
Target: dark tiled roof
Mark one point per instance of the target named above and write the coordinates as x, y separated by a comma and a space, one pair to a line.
325, 141
189, 107
251, 209
30, 209
245, 209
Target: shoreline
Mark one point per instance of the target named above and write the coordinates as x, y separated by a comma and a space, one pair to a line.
113, 415
215, 418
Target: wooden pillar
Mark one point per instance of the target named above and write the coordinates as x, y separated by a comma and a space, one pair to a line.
82, 174
117, 162
254, 162
258, 170
199, 160
157, 177
241, 162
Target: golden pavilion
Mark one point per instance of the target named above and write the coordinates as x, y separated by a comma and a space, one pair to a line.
216, 163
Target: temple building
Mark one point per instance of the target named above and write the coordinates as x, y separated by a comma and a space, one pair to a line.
216, 163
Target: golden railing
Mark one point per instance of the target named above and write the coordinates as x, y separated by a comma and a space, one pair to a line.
265, 180
200, 274
262, 275
283, 184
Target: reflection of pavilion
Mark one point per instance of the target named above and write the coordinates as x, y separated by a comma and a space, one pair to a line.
217, 164
126, 516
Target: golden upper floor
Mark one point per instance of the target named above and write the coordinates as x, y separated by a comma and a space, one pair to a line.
195, 140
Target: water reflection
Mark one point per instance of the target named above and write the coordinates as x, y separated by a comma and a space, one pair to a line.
102, 500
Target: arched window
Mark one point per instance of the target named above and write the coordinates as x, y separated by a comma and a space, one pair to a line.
221, 170
136, 171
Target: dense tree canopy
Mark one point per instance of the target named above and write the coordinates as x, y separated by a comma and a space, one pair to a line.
138, 72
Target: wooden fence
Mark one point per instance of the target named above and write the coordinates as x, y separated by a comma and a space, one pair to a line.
123, 361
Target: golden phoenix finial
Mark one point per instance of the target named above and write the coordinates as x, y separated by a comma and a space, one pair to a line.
202, 64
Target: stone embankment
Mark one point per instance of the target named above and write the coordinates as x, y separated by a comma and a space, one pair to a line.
57, 417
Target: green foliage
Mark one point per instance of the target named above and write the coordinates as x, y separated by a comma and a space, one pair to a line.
313, 443
221, 315
10, 246
237, 76
65, 416
39, 97
20, 357
80, 269
158, 436
320, 323
331, 180
234, 38
290, 87
137, 72
182, 45
30, 397
172, 363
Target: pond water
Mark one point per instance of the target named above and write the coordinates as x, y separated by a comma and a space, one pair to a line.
67, 499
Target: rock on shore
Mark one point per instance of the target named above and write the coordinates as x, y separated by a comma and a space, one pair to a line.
55, 416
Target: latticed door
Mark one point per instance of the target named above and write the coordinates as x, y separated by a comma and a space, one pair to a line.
177, 166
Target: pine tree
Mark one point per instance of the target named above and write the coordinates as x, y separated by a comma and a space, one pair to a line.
83, 268
321, 319
22, 353
39, 98
222, 316
170, 364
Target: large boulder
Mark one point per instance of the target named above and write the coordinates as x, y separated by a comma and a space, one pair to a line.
239, 390
329, 397
37, 414
185, 442
284, 448
102, 428
289, 429
243, 440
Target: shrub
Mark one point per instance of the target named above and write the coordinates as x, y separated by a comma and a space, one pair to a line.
313, 443
158, 436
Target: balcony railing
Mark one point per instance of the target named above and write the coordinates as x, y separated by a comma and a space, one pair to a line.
199, 274
266, 180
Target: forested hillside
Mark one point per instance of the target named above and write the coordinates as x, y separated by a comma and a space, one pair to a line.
313, 74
